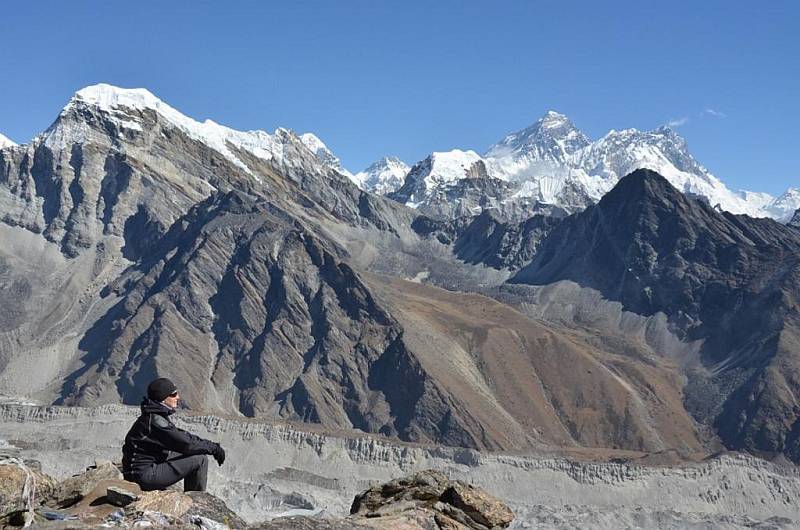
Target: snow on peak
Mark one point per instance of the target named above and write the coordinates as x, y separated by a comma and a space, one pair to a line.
552, 119
450, 166
116, 103
383, 176
108, 97
325, 155
547, 142
313, 142
552, 162
784, 207
6, 142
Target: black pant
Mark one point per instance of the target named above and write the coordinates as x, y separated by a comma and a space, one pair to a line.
192, 469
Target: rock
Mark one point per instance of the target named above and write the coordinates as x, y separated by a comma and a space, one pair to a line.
73, 489
94, 507
169, 503
20, 480
120, 497
478, 505
430, 496
422, 501
422, 486
206, 507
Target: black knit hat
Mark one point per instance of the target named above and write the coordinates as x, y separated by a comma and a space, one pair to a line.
160, 388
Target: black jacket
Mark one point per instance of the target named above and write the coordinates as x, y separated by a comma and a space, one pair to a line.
153, 436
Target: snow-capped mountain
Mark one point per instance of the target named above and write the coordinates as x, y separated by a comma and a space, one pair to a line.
542, 147
786, 206
553, 163
126, 107
437, 172
6, 142
619, 153
128, 110
384, 176
453, 184
323, 154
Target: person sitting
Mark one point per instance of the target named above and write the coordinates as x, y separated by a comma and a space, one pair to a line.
157, 454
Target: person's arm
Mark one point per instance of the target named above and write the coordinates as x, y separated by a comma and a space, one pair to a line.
178, 440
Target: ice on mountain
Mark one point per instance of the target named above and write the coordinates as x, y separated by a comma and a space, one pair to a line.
383, 176
6, 142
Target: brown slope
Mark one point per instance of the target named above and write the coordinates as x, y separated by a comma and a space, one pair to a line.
251, 313
518, 376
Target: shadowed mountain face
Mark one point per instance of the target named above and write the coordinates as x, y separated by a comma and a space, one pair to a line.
252, 313
134, 245
731, 281
487, 240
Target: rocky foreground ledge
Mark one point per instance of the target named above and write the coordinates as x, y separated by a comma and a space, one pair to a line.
99, 497
276, 469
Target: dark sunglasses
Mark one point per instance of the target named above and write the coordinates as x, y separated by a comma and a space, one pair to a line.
174, 394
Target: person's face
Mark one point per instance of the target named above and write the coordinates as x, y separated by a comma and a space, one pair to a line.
172, 400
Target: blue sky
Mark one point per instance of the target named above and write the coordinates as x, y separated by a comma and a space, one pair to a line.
407, 78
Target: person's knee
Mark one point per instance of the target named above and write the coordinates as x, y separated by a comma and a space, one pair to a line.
201, 461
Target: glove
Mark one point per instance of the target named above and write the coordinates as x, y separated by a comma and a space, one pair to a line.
219, 454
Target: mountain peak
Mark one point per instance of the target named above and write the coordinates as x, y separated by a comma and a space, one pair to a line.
552, 118
323, 154
108, 96
116, 103
383, 176
640, 184
313, 142
551, 139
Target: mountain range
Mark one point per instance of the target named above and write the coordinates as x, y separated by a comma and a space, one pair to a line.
136, 241
551, 165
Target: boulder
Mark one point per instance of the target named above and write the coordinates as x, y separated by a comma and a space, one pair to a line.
20, 481
478, 505
170, 503
426, 500
429, 498
207, 508
423, 487
94, 507
120, 497
75, 488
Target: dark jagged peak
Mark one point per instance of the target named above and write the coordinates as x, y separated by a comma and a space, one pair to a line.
730, 282
644, 240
